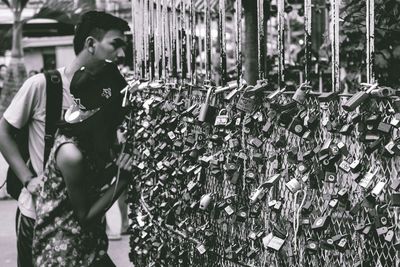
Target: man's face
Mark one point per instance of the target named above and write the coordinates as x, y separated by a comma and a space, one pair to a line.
111, 46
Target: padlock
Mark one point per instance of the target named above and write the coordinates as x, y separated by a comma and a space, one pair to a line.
345, 166
267, 129
367, 179
312, 246
207, 112
303, 167
247, 101
301, 93
250, 176
297, 127
384, 126
205, 201
383, 92
293, 185
330, 177
342, 244
358, 98
235, 90
389, 236
395, 122
256, 142
255, 196
333, 203
201, 249
395, 185
321, 223
355, 166
377, 190
241, 216
222, 118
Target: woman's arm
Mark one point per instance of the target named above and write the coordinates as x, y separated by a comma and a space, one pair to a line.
70, 161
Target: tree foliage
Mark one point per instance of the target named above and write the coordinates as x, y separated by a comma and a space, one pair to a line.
387, 39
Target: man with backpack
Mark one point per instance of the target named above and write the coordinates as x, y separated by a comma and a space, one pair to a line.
36, 109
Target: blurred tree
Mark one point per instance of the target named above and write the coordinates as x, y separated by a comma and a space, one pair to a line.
387, 41
62, 11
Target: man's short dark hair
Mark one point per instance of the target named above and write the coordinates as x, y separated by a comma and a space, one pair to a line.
96, 24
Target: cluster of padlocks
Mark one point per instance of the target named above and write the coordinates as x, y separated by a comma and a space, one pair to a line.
249, 176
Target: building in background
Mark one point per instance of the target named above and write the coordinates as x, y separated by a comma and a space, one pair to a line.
47, 43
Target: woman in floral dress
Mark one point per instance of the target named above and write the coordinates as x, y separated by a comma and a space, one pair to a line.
69, 229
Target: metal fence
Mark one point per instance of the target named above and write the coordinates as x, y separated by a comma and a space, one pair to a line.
276, 183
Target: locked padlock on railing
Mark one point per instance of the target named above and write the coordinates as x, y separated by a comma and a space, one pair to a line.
207, 111
301, 93
222, 118
247, 101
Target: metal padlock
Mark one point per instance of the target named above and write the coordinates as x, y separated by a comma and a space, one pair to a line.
301, 93
222, 118
205, 201
383, 91
358, 98
246, 102
207, 112
293, 185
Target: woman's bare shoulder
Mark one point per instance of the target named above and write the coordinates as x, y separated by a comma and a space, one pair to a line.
69, 155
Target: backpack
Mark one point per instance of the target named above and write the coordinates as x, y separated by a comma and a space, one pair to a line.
54, 96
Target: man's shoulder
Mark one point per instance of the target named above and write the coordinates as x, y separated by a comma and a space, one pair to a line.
37, 81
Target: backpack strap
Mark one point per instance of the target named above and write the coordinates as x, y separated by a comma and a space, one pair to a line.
54, 96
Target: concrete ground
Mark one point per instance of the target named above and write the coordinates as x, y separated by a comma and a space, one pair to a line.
118, 250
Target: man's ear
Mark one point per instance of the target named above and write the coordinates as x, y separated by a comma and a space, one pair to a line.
90, 44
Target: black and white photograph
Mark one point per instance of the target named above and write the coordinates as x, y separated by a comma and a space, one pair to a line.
204, 133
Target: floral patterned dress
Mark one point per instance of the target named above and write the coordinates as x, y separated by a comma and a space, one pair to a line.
59, 239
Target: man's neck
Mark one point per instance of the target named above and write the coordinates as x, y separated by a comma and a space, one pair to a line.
80, 61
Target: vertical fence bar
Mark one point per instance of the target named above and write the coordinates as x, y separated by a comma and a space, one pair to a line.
208, 40
158, 42
162, 52
307, 38
335, 41
133, 30
370, 20
192, 21
143, 41
239, 40
261, 39
184, 67
281, 42
222, 40
173, 32
151, 40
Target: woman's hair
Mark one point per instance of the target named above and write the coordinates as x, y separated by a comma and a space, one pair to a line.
95, 135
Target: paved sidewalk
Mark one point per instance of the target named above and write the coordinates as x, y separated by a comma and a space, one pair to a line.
118, 250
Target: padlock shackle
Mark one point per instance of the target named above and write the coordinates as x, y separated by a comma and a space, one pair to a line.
209, 94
